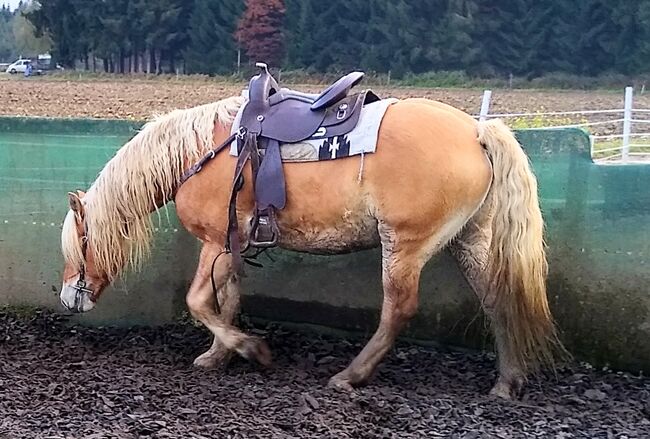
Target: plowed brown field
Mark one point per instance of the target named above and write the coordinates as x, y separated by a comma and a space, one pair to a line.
139, 99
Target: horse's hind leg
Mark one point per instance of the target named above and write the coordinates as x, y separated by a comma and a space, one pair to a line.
471, 250
401, 267
201, 303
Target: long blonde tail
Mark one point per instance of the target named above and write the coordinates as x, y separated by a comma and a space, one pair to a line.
518, 266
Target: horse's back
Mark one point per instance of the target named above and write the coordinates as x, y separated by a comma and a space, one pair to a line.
428, 169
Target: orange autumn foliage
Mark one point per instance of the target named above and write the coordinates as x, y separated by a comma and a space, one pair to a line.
260, 31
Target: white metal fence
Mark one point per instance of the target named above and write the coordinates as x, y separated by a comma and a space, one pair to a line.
628, 142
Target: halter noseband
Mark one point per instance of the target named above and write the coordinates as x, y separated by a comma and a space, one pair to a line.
80, 286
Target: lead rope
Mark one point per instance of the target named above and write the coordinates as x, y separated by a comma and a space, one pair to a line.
214, 285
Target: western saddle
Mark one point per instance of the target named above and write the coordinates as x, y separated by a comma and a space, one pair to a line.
273, 116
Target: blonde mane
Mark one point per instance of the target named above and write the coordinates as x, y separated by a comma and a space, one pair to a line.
144, 172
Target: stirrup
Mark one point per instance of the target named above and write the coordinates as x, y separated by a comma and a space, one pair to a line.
264, 230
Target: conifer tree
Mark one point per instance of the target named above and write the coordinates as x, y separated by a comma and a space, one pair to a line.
491, 37
643, 51
211, 47
7, 46
58, 19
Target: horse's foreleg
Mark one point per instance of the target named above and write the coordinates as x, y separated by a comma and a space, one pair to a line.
201, 303
471, 250
401, 275
228, 297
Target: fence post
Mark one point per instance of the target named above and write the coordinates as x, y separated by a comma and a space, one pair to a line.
485, 105
627, 124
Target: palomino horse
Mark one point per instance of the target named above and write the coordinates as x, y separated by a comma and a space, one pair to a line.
437, 178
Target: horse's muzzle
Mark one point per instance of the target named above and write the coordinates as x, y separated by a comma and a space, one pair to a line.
76, 300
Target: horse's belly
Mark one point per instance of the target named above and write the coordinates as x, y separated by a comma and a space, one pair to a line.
352, 232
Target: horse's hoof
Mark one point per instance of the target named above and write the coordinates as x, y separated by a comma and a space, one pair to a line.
256, 349
504, 391
207, 362
341, 384
500, 391
509, 389
212, 361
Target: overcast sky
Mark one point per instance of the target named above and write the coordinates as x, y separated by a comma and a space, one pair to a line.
12, 3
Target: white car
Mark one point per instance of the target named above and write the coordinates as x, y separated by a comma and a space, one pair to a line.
20, 66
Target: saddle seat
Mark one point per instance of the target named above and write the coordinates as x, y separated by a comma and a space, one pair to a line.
290, 116
272, 116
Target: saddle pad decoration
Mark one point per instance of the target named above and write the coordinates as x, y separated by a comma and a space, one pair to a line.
361, 140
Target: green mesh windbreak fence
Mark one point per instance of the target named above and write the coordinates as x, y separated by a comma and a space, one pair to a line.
597, 227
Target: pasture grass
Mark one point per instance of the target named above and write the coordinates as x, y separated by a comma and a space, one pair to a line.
437, 79
602, 148
549, 81
542, 121
84, 76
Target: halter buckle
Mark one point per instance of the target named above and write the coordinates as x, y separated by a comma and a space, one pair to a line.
80, 287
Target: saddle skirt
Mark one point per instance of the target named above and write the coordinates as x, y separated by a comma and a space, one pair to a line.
362, 139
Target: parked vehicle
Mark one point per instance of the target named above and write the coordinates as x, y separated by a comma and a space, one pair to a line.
18, 66
44, 63
39, 65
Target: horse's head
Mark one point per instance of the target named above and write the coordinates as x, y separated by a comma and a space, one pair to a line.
109, 229
82, 281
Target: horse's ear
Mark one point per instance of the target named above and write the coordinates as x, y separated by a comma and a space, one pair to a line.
75, 202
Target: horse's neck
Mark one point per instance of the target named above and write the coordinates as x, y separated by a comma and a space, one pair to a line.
220, 133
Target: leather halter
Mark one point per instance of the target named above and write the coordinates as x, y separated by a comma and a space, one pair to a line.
80, 285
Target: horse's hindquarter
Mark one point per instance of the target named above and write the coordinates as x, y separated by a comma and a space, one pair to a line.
429, 170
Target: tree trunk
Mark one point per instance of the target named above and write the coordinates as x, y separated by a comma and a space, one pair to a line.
134, 60
152, 60
172, 63
105, 61
86, 62
94, 64
121, 55
158, 59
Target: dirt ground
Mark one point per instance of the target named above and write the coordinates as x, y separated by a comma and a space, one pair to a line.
62, 381
139, 99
